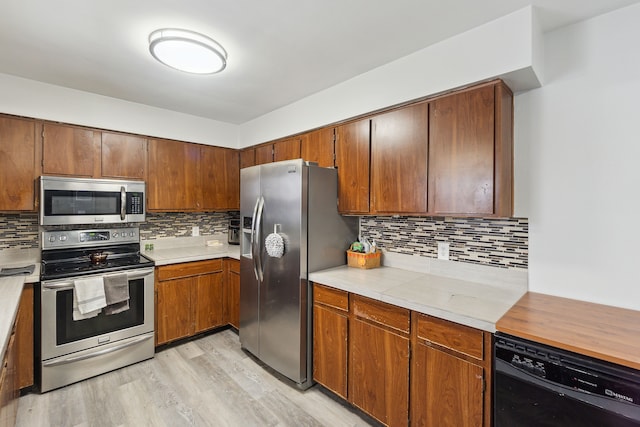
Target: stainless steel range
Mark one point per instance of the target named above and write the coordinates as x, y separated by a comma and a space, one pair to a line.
105, 339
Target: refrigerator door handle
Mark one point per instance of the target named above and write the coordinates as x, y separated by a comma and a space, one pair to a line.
253, 238
257, 260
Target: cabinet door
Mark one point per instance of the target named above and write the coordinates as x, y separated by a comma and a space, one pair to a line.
352, 160
208, 302
233, 293
17, 164
461, 153
24, 337
220, 178
264, 154
287, 149
68, 150
317, 146
399, 148
330, 349
173, 309
123, 156
446, 390
174, 176
247, 157
379, 372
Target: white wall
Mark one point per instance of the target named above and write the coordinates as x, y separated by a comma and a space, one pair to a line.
577, 162
505, 47
29, 98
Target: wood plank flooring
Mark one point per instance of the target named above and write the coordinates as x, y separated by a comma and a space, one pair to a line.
205, 382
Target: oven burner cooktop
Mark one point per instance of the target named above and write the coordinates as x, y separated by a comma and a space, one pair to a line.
83, 267
71, 256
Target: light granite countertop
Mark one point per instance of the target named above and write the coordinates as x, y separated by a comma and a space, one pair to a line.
12, 288
173, 250
468, 294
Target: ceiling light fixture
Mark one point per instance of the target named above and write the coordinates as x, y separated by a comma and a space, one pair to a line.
187, 51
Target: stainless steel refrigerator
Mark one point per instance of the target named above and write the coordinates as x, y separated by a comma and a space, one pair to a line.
297, 202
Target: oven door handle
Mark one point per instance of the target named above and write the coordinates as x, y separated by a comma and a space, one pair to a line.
69, 284
102, 352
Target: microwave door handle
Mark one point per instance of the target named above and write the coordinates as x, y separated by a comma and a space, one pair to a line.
123, 203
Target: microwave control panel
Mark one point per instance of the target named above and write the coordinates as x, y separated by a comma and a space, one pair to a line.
135, 203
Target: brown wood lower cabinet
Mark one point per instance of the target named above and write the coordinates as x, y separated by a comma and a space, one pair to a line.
232, 268
380, 357
25, 338
330, 329
9, 389
379, 360
189, 299
450, 374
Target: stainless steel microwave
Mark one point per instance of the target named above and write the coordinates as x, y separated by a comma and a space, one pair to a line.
65, 200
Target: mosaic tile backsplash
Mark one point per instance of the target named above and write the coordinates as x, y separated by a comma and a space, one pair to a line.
494, 242
178, 224
21, 231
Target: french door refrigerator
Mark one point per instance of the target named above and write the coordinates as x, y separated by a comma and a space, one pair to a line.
295, 203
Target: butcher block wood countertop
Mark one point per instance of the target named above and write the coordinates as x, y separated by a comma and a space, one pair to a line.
601, 331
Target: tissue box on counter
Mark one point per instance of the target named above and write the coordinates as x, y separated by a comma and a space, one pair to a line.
361, 260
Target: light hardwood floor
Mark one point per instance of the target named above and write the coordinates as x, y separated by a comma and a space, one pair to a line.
205, 382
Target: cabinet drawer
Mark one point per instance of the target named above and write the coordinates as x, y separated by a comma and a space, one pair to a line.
381, 313
460, 338
332, 297
175, 271
233, 265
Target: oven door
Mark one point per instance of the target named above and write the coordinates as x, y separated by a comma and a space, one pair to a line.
61, 335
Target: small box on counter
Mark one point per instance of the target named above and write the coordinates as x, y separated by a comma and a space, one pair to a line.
362, 260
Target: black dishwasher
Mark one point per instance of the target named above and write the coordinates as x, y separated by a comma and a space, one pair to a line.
540, 386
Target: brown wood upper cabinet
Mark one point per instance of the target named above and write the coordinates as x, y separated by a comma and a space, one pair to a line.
174, 176
192, 177
471, 152
70, 150
263, 154
317, 146
352, 148
83, 152
247, 157
286, 149
18, 164
399, 148
123, 156
220, 178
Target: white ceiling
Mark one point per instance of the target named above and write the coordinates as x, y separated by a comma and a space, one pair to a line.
279, 50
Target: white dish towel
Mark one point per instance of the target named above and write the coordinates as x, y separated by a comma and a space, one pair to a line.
88, 297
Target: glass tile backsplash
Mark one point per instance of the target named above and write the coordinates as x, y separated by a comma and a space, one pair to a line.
494, 242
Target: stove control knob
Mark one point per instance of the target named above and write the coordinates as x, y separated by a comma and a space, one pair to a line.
63, 237
115, 234
52, 238
132, 234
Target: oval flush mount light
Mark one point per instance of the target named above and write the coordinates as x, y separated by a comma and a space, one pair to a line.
187, 51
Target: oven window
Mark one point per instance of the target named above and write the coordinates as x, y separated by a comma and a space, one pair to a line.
68, 330
523, 404
64, 202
